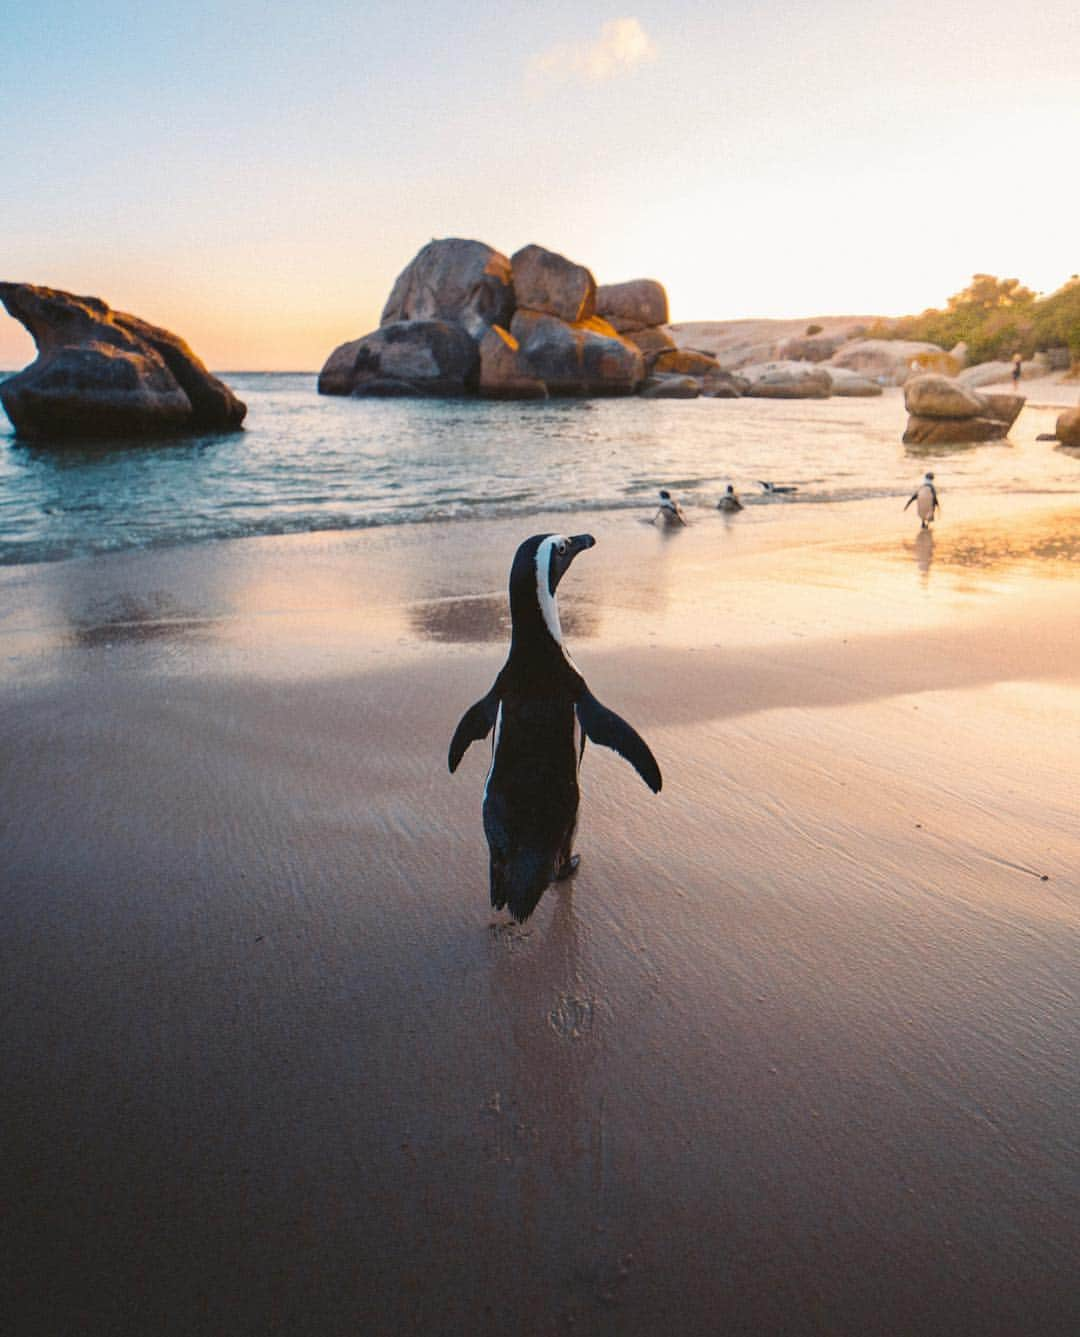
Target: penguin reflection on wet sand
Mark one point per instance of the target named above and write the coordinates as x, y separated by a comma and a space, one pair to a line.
542, 711
669, 511
729, 501
926, 501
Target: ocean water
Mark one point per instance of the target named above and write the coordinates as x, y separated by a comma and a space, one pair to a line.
308, 462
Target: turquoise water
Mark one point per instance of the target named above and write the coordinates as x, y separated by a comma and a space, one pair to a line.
307, 462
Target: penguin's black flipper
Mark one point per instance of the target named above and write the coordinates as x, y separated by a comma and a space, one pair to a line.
910, 500
477, 722
607, 729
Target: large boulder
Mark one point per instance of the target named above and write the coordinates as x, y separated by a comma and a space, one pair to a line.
409, 357
547, 282
635, 305
685, 362
945, 412
101, 372
574, 359
932, 396
885, 360
849, 384
501, 376
787, 380
452, 279
1068, 427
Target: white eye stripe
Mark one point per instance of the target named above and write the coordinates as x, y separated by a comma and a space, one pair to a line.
548, 607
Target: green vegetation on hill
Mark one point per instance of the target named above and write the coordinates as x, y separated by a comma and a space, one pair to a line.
996, 318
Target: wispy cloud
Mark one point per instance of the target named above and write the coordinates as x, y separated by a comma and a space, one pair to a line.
622, 44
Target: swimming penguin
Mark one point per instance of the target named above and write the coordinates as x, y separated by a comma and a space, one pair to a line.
776, 488
729, 501
669, 511
926, 500
542, 711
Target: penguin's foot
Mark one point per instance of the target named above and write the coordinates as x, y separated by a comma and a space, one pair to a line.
567, 868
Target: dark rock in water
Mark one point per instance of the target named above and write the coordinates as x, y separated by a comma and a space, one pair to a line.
547, 282
1046, 436
670, 387
409, 357
721, 384
100, 372
685, 362
453, 279
585, 358
1068, 427
952, 431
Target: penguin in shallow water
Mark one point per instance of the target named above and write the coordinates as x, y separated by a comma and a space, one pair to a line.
775, 489
926, 501
729, 501
669, 511
542, 711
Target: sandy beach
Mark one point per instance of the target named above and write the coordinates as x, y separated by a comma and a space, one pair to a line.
796, 1052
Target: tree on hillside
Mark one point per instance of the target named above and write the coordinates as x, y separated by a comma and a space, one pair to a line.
991, 315
1056, 320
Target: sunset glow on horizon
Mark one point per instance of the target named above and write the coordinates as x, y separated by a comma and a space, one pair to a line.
255, 177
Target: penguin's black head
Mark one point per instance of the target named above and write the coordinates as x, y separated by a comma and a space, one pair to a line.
665, 495
930, 478
539, 564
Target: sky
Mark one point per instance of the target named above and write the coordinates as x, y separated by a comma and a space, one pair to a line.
254, 176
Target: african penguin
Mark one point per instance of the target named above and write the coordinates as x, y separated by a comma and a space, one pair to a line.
669, 511
926, 500
776, 488
729, 501
541, 711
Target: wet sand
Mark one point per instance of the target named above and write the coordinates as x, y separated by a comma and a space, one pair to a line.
796, 1052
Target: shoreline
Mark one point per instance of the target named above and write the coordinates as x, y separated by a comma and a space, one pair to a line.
794, 1052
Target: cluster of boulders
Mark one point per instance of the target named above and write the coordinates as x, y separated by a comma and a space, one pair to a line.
101, 373
463, 319
942, 411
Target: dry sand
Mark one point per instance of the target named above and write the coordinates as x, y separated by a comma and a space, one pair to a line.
795, 1053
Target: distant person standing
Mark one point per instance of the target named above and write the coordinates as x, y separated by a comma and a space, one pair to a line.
1016, 370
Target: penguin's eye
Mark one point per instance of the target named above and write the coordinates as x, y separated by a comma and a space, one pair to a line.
560, 548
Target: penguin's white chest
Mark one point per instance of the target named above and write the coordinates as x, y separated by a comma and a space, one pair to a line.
924, 502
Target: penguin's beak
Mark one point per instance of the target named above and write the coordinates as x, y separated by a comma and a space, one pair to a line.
561, 561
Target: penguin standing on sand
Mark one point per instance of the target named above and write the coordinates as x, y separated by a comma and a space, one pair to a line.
729, 501
541, 711
669, 511
926, 500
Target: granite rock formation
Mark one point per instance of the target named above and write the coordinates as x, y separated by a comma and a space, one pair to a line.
102, 373
942, 411
530, 324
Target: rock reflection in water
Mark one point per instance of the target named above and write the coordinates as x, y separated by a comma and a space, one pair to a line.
486, 617
129, 617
